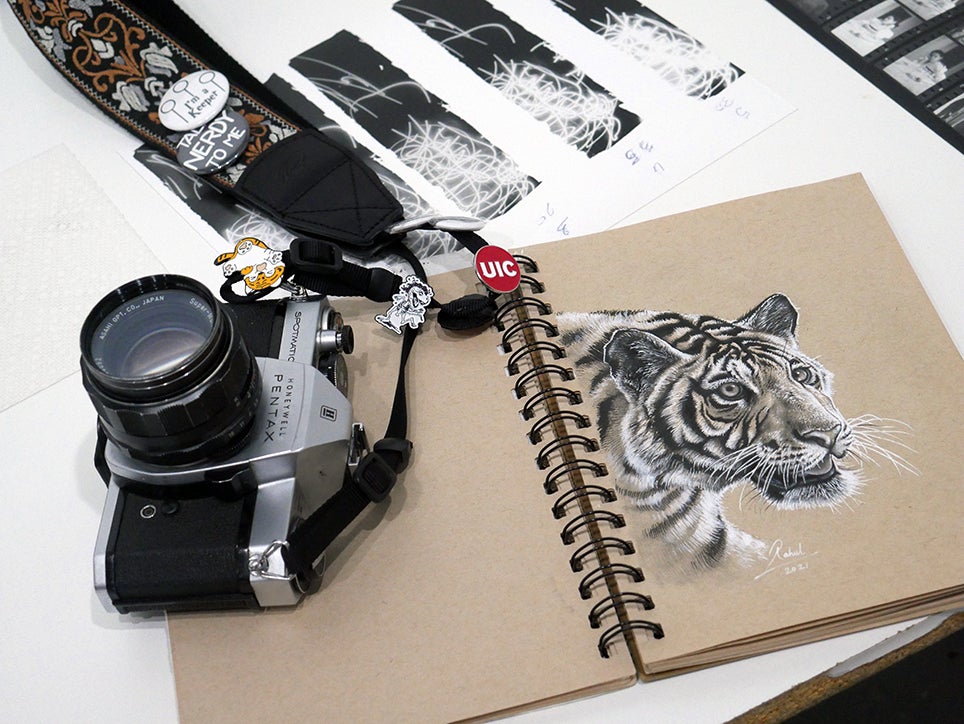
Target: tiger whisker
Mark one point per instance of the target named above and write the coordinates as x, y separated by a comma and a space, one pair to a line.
891, 433
868, 449
849, 500
875, 420
862, 457
747, 469
736, 465
881, 439
768, 471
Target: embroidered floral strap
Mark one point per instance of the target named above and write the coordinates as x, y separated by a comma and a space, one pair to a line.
125, 64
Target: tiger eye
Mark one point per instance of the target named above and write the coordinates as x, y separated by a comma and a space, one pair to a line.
804, 375
730, 391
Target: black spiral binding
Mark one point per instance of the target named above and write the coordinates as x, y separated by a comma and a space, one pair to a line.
588, 444
567, 468
550, 329
610, 602
584, 520
606, 495
545, 394
576, 562
516, 303
565, 374
580, 421
527, 350
533, 359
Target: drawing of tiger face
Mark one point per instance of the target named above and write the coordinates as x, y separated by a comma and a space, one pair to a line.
691, 405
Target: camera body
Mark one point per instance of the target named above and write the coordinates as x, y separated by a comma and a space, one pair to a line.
207, 477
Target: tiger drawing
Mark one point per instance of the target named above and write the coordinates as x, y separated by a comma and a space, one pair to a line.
689, 406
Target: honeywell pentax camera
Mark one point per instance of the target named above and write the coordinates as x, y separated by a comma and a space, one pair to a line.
220, 428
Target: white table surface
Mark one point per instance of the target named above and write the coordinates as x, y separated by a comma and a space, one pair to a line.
66, 659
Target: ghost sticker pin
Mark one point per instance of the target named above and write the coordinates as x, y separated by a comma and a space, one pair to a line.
408, 305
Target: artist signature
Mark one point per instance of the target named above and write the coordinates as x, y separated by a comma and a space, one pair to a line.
786, 558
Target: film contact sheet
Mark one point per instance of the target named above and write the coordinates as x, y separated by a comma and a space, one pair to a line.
913, 50
563, 443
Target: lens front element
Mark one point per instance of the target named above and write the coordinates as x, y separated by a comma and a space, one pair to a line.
152, 334
168, 372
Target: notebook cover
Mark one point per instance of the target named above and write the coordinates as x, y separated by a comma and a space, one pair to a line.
883, 548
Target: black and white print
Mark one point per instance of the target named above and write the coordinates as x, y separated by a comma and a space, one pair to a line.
913, 50
875, 27
674, 55
415, 125
930, 64
525, 70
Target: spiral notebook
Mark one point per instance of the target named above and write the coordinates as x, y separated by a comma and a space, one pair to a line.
578, 513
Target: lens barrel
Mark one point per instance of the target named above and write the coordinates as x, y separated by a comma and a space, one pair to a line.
168, 372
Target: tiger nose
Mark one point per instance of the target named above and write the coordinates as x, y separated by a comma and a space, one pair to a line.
830, 440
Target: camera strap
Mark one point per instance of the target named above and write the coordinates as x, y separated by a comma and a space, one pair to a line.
319, 267
153, 70
371, 482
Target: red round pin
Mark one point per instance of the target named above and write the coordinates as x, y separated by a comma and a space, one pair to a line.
497, 269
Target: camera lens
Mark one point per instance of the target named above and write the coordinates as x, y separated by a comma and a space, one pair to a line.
168, 372
150, 338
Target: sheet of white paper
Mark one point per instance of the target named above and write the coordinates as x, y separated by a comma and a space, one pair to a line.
543, 122
58, 222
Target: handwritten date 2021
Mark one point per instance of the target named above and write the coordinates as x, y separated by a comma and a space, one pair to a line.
786, 559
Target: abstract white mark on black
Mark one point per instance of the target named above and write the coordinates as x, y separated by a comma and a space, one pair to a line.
448, 152
677, 57
525, 70
230, 219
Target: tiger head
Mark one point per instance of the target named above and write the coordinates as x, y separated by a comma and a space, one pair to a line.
715, 403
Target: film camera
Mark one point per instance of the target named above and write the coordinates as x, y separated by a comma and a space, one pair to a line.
220, 428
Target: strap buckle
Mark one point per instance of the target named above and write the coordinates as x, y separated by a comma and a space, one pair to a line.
399, 448
374, 477
314, 256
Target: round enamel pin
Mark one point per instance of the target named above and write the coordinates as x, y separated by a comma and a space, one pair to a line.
497, 269
213, 146
193, 100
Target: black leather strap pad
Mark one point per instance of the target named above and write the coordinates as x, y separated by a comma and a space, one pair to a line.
313, 185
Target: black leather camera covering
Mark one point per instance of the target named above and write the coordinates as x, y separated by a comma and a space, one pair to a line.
147, 569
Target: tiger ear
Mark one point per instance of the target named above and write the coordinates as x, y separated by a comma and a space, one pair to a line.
637, 358
774, 315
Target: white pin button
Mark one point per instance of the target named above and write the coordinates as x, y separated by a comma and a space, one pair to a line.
193, 100
215, 145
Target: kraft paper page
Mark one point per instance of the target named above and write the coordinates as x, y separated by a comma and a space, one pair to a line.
453, 599
886, 534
